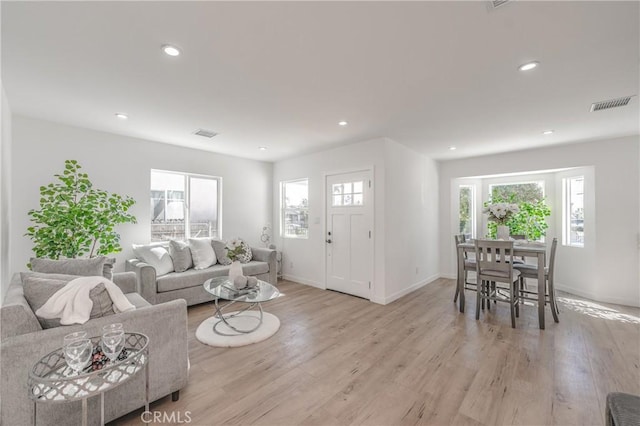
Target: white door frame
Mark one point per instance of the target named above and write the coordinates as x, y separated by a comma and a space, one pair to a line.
371, 170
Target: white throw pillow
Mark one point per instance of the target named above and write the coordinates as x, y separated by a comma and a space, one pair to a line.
202, 253
156, 256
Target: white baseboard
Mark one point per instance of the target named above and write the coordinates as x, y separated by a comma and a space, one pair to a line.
321, 286
596, 298
379, 301
303, 281
382, 300
429, 280
397, 295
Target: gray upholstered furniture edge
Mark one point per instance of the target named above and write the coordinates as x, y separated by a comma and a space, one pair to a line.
622, 409
148, 286
24, 342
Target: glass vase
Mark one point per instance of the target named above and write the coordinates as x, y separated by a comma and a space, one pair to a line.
235, 270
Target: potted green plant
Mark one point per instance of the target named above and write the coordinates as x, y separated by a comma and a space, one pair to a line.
529, 219
75, 219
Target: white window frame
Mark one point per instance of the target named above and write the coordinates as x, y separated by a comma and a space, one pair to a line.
566, 210
187, 182
352, 193
472, 208
284, 209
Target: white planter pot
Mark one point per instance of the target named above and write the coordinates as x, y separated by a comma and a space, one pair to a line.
503, 232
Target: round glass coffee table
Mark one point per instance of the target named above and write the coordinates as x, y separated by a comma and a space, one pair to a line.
222, 288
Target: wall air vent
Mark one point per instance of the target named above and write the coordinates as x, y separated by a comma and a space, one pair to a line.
498, 3
612, 103
205, 133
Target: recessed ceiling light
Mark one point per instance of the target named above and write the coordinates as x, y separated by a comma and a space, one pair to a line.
342, 123
122, 116
452, 148
547, 132
170, 50
528, 66
262, 148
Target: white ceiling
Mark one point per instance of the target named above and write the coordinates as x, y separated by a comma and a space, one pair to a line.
426, 74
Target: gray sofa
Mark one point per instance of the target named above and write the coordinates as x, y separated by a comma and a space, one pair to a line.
24, 342
188, 285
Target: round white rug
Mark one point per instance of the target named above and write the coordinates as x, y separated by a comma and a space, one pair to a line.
248, 320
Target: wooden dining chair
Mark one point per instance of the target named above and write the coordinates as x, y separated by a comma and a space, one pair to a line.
519, 237
493, 269
531, 271
520, 259
469, 265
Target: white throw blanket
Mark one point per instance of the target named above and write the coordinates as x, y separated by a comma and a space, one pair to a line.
73, 305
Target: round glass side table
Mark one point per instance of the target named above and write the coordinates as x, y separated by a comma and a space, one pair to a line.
51, 380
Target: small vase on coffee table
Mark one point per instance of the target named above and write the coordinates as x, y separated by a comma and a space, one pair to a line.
235, 270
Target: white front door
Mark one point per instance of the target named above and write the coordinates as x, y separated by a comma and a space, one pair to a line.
349, 230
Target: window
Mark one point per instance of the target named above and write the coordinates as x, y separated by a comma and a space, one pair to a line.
573, 211
526, 192
467, 213
184, 206
531, 221
347, 194
295, 209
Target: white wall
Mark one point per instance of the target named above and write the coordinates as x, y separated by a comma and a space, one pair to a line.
122, 165
411, 223
5, 195
406, 215
617, 207
578, 264
304, 259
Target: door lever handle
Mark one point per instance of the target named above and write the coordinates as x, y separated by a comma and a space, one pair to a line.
329, 241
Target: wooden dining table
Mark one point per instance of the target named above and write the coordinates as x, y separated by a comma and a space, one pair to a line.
525, 249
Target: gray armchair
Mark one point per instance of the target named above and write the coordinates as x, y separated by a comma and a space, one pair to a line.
24, 342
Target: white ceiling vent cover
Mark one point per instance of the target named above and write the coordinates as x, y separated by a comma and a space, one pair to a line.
613, 103
498, 3
205, 133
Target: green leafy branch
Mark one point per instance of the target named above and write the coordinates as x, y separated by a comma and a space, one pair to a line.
75, 219
530, 221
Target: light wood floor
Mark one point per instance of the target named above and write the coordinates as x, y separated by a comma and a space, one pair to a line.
340, 360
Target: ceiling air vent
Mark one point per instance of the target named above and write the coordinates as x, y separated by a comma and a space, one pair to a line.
613, 103
205, 133
498, 3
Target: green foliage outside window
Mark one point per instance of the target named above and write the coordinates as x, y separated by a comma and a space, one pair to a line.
465, 211
76, 219
530, 221
517, 193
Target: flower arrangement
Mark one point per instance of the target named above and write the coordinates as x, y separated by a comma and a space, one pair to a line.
235, 249
501, 213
